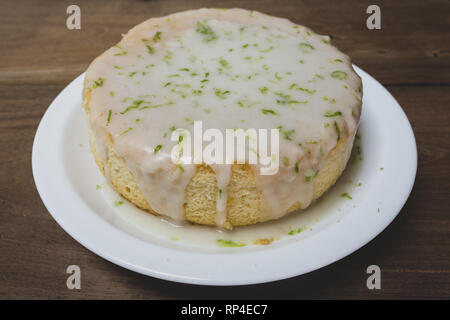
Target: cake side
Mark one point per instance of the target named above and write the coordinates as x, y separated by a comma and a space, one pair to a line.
244, 195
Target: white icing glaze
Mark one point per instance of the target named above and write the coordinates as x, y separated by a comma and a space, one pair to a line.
229, 69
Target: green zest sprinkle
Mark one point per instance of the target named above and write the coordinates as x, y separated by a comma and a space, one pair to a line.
151, 107
98, 83
341, 75
168, 57
98, 186
316, 76
307, 90
108, 120
338, 131
157, 36
264, 90
291, 102
270, 111
229, 243
329, 100
309, 178
296, 168
221, 94
283, 95
267, 50
121, 53
224, 63
346, 195
285, 161
296, 231
330, 114
356, 97
136, 104
157, 148
181, 167
306, 47
126, 131
118, 203
286, 134
220, 193
285, 99
150, 49
207, 31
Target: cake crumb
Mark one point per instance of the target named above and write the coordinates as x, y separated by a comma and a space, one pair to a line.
263, 241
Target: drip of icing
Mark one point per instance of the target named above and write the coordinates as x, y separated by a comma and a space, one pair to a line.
223, 175
228, 69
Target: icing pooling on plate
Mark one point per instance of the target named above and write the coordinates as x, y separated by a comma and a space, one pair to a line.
228, 69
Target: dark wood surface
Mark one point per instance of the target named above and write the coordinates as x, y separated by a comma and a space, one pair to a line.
410, 55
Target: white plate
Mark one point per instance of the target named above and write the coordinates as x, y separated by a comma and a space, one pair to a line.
66, 178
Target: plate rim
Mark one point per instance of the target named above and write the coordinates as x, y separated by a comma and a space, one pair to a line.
118, 258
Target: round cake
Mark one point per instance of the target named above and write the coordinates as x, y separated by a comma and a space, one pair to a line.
229, 70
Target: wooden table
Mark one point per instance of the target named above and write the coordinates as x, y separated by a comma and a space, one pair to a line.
410, 55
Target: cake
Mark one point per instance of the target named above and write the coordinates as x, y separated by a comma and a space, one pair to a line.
228, 69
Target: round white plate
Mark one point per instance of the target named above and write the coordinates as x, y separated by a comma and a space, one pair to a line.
379, 180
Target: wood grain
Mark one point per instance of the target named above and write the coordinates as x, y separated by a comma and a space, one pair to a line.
410, 55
